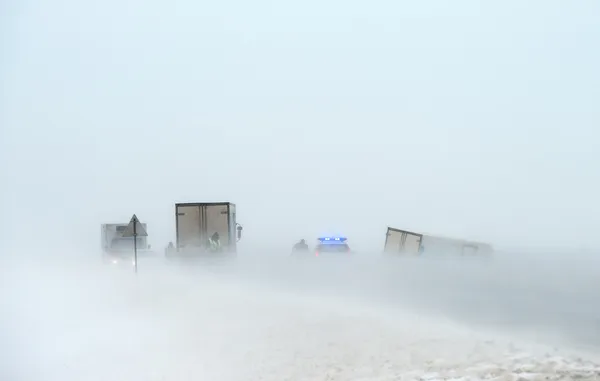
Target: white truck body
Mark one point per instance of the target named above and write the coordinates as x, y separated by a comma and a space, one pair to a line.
416, 244
402, 242
443, 246
197, 222
112, 240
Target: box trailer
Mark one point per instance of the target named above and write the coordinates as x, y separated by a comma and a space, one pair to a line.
196, 223
112, 240
405, 242
410, 243
443, 246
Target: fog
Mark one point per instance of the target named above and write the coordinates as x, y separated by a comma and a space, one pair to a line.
271, 317
466, 119
472, 120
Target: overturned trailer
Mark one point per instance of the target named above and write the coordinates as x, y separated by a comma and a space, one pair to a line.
205, 227
408, 243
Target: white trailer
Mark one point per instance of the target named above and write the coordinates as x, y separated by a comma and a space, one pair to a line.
403, 242
112, 240
196, 223
409, 243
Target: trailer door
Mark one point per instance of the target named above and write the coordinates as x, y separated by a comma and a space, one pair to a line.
411, 244
217, 220
392, 241
402, 241
189, 226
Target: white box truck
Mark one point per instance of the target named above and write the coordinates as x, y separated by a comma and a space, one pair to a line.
117, 248
405, 242
112, 239
198, 222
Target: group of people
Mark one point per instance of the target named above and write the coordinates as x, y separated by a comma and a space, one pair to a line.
214, 243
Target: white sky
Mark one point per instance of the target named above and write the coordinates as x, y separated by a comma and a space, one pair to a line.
467, 118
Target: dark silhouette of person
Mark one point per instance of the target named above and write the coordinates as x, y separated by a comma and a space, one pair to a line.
301, 246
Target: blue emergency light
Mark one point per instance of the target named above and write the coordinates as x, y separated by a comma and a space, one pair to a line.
332, 240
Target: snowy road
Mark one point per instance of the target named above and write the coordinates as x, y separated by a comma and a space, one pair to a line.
256, 320
543, 298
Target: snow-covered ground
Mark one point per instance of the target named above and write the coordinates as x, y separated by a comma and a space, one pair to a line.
255, 320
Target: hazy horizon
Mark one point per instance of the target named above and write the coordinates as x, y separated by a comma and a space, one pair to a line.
471, 120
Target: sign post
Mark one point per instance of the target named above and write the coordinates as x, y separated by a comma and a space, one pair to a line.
135, 229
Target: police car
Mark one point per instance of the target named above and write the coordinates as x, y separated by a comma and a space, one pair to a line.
331, 246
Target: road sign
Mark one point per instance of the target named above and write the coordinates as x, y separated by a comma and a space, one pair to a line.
135, 228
